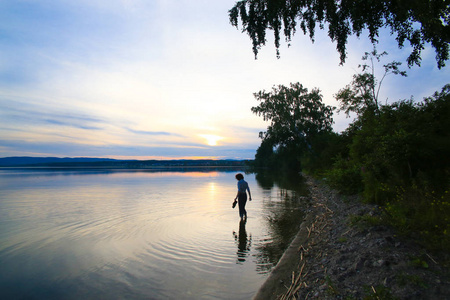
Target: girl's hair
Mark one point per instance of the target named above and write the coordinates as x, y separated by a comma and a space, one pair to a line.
239, 176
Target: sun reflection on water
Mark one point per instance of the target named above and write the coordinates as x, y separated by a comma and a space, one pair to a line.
161, 233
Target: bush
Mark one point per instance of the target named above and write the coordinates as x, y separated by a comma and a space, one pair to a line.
345, 177
398, 158
422, 214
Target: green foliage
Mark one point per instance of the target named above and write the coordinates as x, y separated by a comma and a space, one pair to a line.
321, 155
362, 93
364, 221
405, 143
379, 292
419, 263
265, 156
420, 22
395, 155
403, 154
345, 176
405, 279
342, 240
398, 156
357, 96
423, 214
331, 290
297, 117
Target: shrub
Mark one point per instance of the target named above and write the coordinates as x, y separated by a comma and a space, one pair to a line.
423, 214
345, 177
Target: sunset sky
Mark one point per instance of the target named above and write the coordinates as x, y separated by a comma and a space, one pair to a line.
159, 79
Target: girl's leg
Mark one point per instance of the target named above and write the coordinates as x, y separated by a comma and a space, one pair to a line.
242, 200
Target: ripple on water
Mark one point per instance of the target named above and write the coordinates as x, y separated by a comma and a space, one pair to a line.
134, 236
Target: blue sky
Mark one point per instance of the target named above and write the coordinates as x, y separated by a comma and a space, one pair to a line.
159, 79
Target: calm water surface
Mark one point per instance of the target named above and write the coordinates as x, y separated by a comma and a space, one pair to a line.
73, 234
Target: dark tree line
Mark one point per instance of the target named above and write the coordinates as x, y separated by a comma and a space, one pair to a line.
395, 155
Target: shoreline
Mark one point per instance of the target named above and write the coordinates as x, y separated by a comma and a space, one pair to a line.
336, 255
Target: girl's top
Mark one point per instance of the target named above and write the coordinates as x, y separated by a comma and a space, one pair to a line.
242, 186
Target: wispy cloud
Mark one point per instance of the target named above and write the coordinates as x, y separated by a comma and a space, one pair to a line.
14, 112
145, 132
66, 124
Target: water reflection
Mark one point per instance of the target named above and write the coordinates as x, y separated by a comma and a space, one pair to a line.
243, 241
139, 235
292, 182
155, 171
285, 213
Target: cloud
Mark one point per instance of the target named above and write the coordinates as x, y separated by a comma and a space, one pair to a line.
19, 113
153, 132
66, 124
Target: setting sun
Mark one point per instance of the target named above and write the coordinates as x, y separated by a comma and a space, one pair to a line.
211, 139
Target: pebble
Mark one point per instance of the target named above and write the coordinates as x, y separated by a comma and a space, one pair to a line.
359, 264
379, 263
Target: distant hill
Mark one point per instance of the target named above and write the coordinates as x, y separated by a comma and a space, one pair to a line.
28, 161
87, 162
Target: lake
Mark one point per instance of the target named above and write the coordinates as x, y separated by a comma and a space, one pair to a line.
141, 234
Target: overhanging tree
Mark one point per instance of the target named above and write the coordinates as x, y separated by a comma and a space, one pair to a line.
420, 22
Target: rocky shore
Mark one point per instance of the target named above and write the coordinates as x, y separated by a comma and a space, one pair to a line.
338, 254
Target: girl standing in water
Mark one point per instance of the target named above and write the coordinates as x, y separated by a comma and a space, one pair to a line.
241, 196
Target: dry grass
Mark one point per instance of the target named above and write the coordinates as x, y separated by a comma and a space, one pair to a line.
317, 234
